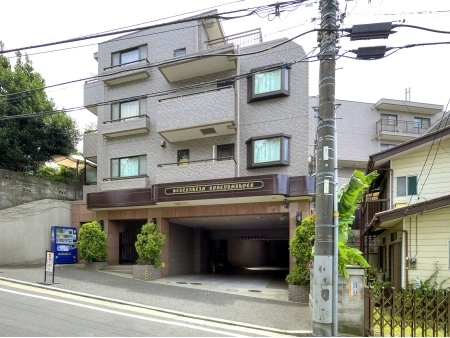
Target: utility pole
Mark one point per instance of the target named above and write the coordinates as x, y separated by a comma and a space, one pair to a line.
325, 244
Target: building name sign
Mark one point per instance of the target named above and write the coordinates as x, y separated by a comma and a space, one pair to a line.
195, 189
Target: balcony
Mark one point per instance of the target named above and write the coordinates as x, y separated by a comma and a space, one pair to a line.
93, 95
408, 107
126, 126
399, 130
196, 170
120, 183
126, 72
90, 145
197, 115
243, 39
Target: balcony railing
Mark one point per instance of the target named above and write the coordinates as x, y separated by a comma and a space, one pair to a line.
226, 158
209, 90
247, 38
405, 127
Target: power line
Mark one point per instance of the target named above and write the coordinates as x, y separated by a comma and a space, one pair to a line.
281, 6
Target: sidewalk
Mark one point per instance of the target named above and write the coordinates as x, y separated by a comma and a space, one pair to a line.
276, 315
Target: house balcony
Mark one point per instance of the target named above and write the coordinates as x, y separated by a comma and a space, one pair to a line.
126, 126
90, 145
93, 95
206, 169
126, 72
400, 131
120, 183
197, 115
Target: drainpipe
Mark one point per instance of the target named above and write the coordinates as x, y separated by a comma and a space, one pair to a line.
237, 115
406, 261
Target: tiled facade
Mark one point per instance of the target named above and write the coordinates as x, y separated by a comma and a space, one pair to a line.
181, 99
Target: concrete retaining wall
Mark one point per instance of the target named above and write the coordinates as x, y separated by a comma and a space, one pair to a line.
25, 230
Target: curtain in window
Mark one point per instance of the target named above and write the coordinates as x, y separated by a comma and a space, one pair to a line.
267, 150
129, 166
129, 56
268, 82
129, 109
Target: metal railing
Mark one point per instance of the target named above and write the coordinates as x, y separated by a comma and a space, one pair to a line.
217, 159
407, 312
247, 38
123, 178
405, 127
126, 118
126, 64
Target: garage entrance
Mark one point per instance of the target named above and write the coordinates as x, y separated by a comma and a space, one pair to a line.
231, 245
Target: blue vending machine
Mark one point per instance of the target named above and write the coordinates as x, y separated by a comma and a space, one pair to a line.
64, 241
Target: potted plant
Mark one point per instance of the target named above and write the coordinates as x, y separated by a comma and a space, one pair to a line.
148, 246
92, 245
301, 247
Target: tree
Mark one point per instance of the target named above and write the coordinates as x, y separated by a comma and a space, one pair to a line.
27, 143
149, 245
301, 247
57, 174
92, 243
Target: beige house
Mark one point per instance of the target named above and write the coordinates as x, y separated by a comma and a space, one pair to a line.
408, 212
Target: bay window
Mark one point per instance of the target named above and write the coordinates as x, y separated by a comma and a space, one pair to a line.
266, 84
266, 151
129, 166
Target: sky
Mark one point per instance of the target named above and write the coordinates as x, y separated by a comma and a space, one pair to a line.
422, 71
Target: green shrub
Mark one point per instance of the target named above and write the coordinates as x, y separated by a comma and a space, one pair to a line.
149, 245
91, 243
301, 247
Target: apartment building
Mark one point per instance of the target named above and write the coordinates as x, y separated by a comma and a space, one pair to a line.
205, 134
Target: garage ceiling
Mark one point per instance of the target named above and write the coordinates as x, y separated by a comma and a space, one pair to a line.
235, 222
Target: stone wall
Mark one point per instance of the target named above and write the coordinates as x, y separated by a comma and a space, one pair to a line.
17, 188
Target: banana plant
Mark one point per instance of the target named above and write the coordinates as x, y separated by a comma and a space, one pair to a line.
349, 196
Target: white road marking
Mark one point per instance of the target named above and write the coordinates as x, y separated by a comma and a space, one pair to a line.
122, 313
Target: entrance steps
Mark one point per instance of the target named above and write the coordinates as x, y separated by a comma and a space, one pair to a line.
119, 268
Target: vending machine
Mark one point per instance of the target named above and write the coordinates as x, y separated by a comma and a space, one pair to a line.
63, 244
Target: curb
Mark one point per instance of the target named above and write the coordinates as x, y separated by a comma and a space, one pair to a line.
297, 333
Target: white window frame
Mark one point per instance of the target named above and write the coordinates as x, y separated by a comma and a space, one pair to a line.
406, 187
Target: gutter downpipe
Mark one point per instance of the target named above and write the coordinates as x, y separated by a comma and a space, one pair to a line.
406, 260
237, 88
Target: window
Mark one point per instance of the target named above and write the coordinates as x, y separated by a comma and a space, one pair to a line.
91, 174
267, 151
420, 122
183, 156
179, 52
225, 152
129, 166
384, 146
406, 186
128, 109
130, 55
389, 119
268, 84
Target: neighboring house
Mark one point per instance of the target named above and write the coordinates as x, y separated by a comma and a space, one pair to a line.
408, 212
206, 135
367, 128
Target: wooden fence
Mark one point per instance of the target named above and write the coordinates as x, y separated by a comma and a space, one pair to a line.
407, 312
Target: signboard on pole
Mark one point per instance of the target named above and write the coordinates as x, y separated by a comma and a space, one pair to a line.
49, 261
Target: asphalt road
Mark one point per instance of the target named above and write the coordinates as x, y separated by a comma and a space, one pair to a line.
32, 311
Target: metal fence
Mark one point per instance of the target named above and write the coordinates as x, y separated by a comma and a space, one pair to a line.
407, 312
